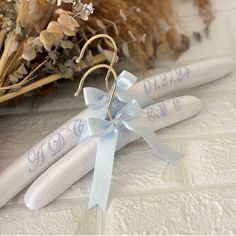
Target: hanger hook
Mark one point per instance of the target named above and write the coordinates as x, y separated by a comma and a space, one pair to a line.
113, 57
113, 88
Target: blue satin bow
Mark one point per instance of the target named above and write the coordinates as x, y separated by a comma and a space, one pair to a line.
129, 117
97, 100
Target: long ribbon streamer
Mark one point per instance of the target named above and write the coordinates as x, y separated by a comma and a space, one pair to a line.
128, 117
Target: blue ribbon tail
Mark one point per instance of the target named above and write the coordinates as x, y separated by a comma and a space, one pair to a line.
103, 171
162, 150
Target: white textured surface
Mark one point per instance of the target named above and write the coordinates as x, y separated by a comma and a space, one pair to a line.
147, 196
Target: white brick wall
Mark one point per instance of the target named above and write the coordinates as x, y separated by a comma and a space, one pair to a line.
201, 211
147, 195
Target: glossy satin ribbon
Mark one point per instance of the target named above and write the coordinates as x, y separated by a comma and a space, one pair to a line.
129, 117
96, 100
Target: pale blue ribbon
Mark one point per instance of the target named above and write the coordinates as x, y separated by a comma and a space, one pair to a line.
129, 118
97, 100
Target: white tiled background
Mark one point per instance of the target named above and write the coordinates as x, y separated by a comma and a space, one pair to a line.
147, 195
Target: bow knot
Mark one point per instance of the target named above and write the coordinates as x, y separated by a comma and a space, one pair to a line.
97, 99
116, 123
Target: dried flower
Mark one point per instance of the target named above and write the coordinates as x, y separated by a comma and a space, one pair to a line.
31, 48
50, 43
65, 25
83, 10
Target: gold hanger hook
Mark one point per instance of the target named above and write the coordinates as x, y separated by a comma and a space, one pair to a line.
113, 57
113, 88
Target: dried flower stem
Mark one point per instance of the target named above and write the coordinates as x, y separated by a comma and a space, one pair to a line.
8, 67
2, 38
95, 60
49, 79
26, 79
30, 87
10, 48
30, 13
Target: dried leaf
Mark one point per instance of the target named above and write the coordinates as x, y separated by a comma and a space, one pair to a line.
29, 52
122, 15
66, 44
91, 30
149, 45
100, 24
69, 63
67, 31
53, 55
108, 43
62, 67
99, 47
68, 24
125, 49
69, 73
61, 11
114, 26
48, 39
109, 55
89, 58
68, 21
12, 78
22, 70
49, 66
54, 28
18, 75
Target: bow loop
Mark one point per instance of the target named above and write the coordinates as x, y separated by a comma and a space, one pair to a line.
94, 97
125, 81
